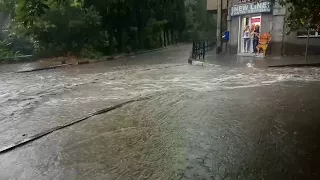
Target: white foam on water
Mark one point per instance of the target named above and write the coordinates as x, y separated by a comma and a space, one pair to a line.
197, 63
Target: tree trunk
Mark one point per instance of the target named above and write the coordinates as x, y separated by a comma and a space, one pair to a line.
169, 42
172, 36
160, 38
307, 46
165, 38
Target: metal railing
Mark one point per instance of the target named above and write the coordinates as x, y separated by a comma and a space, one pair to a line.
199, 48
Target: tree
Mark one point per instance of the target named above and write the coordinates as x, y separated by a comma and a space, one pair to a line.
302, 14
99, 26
200, 24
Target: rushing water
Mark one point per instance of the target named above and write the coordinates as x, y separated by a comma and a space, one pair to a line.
71, 92
196, 113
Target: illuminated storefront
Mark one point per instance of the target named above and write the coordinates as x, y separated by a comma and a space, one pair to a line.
252, 15
271, 19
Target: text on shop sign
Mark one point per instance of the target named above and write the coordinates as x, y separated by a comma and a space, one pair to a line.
250, 8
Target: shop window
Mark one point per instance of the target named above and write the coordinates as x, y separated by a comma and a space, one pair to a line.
304, 33
314, 33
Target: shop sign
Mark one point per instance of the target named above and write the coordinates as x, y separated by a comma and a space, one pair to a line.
251, 8
255, 20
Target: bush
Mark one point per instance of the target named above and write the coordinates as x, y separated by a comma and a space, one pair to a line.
90, 52
5, 51
62, 30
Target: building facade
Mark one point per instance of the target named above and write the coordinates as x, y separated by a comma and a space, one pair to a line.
271, 19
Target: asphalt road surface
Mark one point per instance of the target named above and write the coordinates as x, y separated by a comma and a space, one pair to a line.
198, 122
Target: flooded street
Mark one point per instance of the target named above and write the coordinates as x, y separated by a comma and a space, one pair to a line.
199, 122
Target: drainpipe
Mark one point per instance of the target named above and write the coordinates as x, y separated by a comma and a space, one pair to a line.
229, 24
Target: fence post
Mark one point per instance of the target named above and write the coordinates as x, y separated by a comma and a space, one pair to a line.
204, 50
193, 50
199, 48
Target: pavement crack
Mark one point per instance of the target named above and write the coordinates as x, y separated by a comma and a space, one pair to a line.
171, 176
163, 154
49, 131
182, 175
260, 137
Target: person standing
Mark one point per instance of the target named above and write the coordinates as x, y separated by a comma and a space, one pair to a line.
256, 34
264, 40
246, 39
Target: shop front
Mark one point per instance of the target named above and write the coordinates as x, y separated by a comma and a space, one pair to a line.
249, 15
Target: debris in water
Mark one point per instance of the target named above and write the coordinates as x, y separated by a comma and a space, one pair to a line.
213, 65
197, 63
249, 65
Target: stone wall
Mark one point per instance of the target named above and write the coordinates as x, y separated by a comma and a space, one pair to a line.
234, 35
276, 45
296, 46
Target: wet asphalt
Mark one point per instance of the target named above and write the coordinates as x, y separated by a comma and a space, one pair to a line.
199, 122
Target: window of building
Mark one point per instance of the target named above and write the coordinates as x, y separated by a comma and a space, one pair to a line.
249, 1
314, 33
304, 33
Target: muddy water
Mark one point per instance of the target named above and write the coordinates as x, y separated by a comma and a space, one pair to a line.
200, 123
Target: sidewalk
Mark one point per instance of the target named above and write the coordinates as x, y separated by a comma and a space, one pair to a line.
269, 61
52, 63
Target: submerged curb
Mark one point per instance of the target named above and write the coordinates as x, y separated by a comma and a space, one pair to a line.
296, 65
45, 68
194, 62
49, 131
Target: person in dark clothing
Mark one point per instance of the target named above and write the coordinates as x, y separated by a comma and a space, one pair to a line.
256, 34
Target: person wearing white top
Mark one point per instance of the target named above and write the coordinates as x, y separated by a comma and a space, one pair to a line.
246, 38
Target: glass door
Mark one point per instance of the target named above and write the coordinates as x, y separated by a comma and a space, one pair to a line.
246, 21
250, 21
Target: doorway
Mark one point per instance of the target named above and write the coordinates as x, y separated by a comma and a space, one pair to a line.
245, 21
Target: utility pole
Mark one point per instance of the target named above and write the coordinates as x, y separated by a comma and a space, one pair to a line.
219, 24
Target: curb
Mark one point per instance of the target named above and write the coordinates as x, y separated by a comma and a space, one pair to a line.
194, 62
45, 68
296, 65
44, 133
55, 66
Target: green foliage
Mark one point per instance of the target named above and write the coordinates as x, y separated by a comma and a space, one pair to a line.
89, 51
65, 28
99, 27
5, 51
200, 25
302, 14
